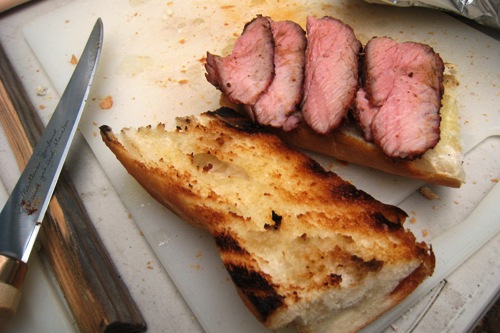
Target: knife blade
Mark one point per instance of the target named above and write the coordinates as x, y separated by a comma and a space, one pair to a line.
22, 215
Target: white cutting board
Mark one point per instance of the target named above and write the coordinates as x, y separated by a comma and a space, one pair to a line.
151, 66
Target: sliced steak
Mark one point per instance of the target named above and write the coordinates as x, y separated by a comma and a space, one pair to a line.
277, 106
399, 105
249, 70
331, 73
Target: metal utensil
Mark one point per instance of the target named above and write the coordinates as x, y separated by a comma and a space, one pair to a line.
22, 215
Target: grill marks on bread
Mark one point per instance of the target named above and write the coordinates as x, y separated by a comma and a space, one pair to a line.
300, 243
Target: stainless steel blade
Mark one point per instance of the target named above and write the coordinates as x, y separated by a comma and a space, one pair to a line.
23, 213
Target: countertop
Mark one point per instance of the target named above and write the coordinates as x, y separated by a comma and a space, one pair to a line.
160, 302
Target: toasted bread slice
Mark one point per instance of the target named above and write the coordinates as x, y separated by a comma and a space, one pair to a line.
303, 246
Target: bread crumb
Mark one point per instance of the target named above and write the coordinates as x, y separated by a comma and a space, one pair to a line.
41, 107
494, 180
425, 233
413, 220
73, 60
428, 193
106, 103
41, 91
183, 81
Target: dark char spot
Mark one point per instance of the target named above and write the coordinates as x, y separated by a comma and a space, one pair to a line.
277, 222
258, 290
236, 121
385, 224
372, 265
226, 243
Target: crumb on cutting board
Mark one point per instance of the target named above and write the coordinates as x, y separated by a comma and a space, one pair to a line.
41, 91
106, 102
73, 60
428, 193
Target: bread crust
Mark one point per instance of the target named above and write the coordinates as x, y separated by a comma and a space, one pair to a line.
347, 144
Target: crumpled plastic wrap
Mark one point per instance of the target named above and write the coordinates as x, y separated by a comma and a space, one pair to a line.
486, 12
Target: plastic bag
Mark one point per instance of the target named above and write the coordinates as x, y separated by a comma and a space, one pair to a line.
486, 12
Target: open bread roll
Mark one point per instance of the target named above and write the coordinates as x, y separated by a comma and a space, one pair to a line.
302, 246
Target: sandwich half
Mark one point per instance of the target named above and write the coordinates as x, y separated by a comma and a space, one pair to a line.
386, 105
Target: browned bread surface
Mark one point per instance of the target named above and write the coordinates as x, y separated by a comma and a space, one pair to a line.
303, 246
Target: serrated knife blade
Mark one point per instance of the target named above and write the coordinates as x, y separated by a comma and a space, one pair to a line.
22, 215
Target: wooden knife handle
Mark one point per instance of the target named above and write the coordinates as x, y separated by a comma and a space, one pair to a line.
96, 295
12, 273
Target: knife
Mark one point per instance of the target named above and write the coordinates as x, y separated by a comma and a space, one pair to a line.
22, 215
